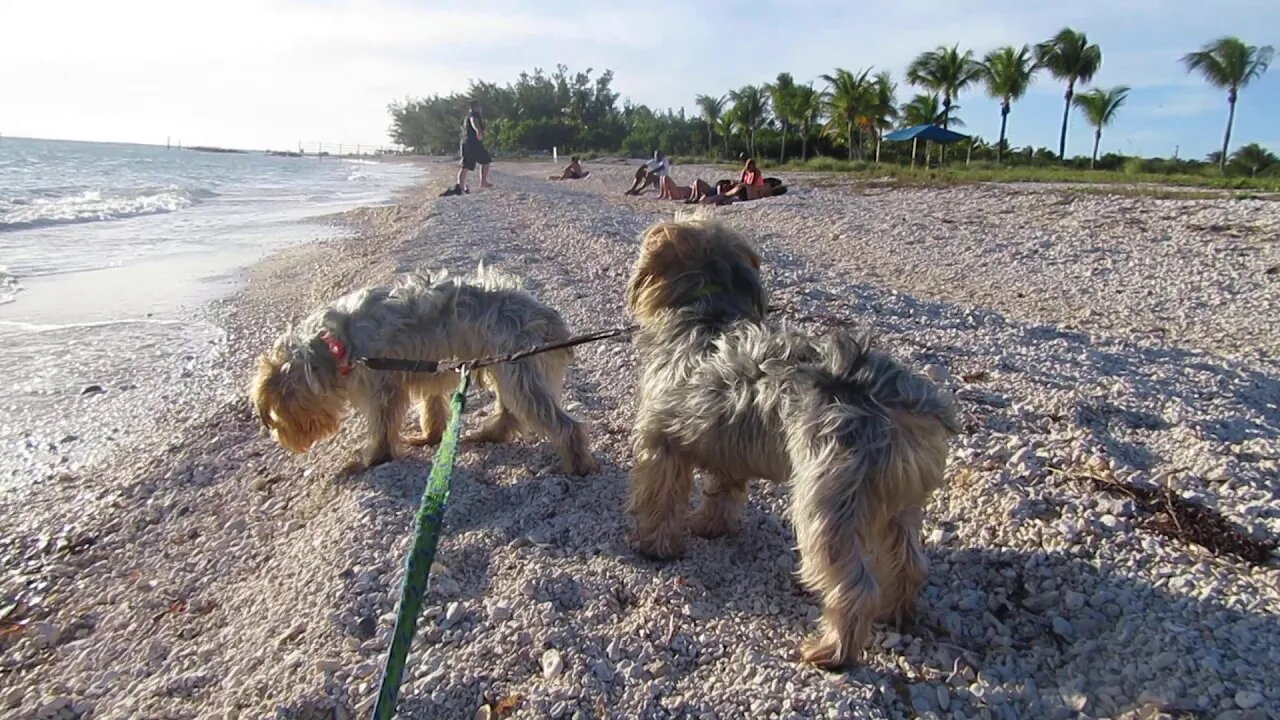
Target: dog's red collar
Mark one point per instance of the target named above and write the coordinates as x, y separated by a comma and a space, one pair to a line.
339, 350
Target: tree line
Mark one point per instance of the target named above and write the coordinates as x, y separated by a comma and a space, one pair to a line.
844, 113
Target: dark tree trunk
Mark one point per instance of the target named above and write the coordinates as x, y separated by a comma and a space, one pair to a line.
1226, 139
782, 154
1097, 138
1066, 114
849, 137
1004, 121
804, 143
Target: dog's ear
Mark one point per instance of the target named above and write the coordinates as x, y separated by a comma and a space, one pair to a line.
656, 248
265, 392
334, 322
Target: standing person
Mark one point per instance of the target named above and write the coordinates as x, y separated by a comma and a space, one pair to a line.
473, 152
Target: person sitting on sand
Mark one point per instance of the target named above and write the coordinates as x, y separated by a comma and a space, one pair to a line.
651, 173
753, 185
572, 171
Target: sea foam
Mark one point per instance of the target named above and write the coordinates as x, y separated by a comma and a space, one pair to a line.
95, 205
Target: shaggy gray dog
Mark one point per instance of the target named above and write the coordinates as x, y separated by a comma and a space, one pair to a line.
307, 380
861, 439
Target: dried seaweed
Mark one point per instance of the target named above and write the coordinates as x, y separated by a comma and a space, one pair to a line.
1173, 516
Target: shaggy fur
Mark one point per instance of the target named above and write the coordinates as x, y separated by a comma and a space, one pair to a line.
861, 439
301, 395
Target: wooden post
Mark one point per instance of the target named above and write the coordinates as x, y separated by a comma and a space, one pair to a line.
914, 140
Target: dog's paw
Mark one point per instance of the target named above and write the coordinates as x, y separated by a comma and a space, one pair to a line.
825, 651
582, 466
423, 440
353, 468
709, 524
367, 462
658, 548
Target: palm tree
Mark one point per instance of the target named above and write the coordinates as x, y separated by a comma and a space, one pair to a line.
944, 71
1069, 56
1229, 63
922, 109
1007, 72
925, 109
749, 112
1100, 107
882, 112
783, 94
846, 100
1254, 158
712, 112
808, 110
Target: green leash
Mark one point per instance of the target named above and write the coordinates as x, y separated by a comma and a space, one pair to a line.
418, 566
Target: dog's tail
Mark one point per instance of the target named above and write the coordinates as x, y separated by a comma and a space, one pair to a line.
892, 416
868, 446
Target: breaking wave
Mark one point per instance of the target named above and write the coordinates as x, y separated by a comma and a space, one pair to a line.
9, 286
94, 205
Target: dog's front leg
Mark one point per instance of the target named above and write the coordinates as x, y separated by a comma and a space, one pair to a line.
384, 406
660, 486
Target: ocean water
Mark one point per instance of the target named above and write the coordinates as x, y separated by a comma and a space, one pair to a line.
108, 254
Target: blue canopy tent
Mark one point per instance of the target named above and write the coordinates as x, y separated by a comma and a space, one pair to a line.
930, 133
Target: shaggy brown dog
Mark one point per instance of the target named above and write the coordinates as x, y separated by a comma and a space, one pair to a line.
861, 439
305, 383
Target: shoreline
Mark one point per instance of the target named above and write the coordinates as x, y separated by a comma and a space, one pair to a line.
205, 572
100, 349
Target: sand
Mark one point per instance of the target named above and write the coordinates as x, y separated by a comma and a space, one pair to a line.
200, 571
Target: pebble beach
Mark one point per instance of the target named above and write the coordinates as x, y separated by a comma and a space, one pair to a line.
198, 570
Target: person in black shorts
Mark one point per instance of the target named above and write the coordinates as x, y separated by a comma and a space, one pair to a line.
473, 152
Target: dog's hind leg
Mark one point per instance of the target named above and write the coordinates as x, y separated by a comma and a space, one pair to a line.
905, 565
659, 497
523, 391
433, 417
501, 426
830, 513
722, 500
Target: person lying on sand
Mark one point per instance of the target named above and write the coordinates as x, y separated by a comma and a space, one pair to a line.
572, 171
710, 194
651, 173
689, 193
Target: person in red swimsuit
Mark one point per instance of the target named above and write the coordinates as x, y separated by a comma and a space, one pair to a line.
752, 185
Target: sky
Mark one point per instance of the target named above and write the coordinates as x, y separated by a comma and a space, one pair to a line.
271, 73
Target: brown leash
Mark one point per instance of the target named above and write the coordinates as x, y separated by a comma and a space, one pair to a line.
435, 366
